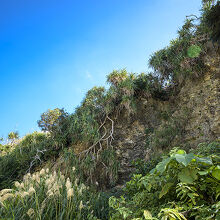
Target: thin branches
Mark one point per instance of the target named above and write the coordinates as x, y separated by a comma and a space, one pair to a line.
36, 158
107, 137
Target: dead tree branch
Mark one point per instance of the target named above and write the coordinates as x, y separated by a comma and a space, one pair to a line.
105, 138
35, 159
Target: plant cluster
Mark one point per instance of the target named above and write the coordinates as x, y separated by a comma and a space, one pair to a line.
171, 127
101, 172
56, 123
47, 195
5, 149
181, 186
92, 124
28, 153
184, 57
211, 19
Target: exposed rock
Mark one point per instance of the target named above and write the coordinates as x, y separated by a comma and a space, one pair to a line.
200, 98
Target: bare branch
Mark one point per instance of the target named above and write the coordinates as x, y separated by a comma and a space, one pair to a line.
36, 157
107, 139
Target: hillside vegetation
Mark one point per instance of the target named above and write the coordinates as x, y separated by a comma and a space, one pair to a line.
145, 148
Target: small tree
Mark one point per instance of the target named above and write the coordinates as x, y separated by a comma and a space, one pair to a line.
50, 119
56, 122
12, 136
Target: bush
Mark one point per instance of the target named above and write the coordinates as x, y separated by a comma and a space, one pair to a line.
211, 19
30, 152
180, 186
184, 57
101, 172
56, 123
46, 195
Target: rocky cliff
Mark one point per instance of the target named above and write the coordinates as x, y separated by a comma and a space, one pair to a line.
190, 118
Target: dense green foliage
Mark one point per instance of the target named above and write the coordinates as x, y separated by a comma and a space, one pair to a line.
30, 152
179, 185
103, 172
211, 19
184, 57
55, 122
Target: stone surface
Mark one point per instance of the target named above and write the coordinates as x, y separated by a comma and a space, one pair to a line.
200, 97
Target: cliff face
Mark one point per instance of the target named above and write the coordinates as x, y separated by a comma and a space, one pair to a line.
192, 117
203, 100
184, 120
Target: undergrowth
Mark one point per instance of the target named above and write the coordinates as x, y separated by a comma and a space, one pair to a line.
29, 153
46, 195
180, 185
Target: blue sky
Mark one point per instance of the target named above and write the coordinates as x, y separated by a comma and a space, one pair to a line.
53, 51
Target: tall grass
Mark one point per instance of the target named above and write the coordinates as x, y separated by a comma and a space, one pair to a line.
46, 195
28, 153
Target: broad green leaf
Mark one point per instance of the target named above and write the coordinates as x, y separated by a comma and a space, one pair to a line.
188, 175
202, 173
205, 160
185, 159
216, 174
161, 167
165, 189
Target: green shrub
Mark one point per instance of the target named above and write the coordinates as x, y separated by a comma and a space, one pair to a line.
30, 152
181, 186
56, 123
6, 148
101, 172
183, 58
211, 19
208, 148
143, 167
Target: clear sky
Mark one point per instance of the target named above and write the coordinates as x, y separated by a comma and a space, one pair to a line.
53, 51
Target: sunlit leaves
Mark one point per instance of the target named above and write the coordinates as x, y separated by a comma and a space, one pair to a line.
216, 173
188, 175
185, 159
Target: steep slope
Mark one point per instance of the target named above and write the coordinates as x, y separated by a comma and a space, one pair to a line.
196, 111
134, 127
